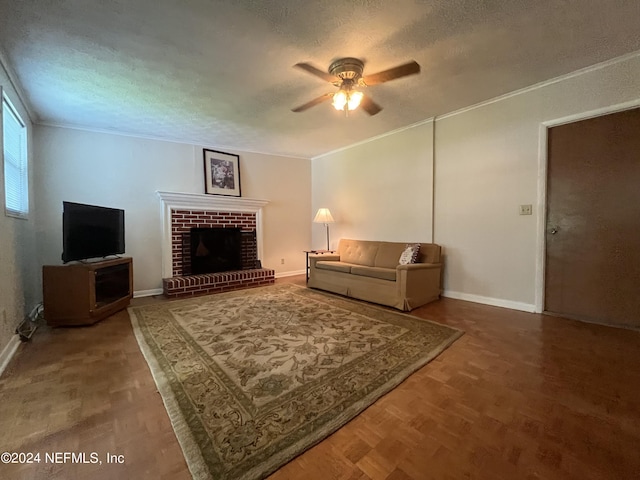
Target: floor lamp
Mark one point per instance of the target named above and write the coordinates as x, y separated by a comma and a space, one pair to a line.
324, 216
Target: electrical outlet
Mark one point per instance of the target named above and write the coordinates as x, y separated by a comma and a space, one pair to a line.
282, 261
526, 209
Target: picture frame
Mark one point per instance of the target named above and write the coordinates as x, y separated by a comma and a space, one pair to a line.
221, 173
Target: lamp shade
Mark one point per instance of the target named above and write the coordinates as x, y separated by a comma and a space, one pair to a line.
323, 216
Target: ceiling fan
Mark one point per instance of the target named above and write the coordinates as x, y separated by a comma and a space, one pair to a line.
346, 74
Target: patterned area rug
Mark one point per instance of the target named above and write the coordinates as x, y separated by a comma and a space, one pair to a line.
253, 378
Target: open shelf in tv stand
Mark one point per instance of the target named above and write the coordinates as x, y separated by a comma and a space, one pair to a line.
84, 293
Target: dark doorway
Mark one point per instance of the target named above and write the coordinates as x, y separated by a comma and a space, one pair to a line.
592, 269
215, 250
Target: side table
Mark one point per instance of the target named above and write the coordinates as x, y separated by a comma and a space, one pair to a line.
321, 252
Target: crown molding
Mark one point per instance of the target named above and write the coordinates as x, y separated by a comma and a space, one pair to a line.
198, 143
377, 137
546, 83
15, 84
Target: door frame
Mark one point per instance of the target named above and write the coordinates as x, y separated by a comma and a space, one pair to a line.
541, 227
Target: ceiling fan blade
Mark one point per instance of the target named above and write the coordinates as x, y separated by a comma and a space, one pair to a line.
313, 103
307, 67
369, 105
410, 68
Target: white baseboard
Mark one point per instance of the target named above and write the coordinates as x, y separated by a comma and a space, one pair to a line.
147, 293
290, 274
496, 302
8, 352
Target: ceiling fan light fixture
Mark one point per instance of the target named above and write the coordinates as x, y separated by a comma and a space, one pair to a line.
339, 100
354, 100
347, 73
347, 99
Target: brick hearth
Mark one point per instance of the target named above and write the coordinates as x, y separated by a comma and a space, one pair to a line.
183, 218
216, 282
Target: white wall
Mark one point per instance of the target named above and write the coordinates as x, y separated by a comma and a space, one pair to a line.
378, 190
125, 172
19, 291
487, 162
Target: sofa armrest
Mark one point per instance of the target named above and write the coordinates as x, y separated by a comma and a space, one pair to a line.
419, 266
313, 258
418, 283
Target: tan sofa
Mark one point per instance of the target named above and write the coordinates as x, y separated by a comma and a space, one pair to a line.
371, 271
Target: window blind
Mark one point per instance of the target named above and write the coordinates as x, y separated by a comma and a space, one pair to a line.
15, 161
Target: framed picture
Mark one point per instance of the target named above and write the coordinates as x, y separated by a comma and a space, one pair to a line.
221, 173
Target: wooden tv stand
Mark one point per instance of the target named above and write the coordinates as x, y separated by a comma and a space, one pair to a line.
84, 293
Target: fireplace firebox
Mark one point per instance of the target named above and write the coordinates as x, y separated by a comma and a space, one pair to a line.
215, 250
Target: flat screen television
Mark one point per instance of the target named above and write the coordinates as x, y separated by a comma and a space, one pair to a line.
90, 231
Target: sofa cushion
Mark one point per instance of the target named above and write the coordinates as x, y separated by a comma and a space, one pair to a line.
410, 254
388, 254
334, 266
375, 272
358, 252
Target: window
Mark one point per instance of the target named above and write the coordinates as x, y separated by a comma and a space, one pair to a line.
14, 135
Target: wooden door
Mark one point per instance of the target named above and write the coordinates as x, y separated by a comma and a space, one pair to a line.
592, 269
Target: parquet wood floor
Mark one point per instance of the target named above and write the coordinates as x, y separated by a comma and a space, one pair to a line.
519, 396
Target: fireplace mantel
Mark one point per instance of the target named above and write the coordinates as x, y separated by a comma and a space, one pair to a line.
170, 201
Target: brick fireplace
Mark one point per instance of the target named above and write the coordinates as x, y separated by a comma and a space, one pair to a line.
180, 213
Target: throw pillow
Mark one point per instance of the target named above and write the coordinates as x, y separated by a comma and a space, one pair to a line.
410, 254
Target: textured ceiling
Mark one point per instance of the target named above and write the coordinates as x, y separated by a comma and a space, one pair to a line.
219, 73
